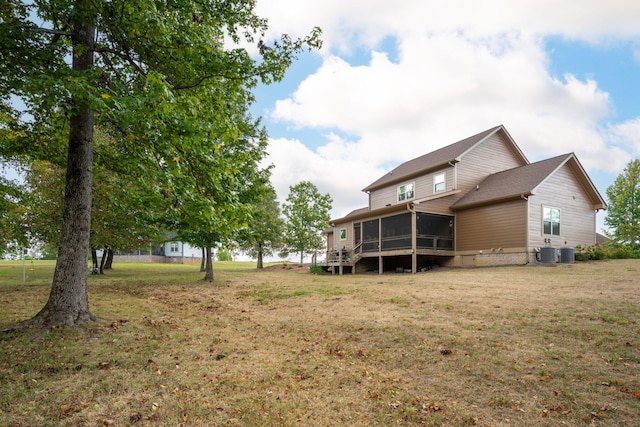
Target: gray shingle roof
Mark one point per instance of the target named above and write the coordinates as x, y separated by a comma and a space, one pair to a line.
512, 183
431, 160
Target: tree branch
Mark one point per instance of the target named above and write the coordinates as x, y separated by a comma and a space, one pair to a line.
44, 30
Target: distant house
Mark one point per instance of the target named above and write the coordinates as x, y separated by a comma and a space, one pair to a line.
476, 202
173, 252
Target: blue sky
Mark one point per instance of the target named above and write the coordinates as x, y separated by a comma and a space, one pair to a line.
395, 80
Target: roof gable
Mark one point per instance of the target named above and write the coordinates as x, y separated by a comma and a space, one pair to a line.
522, 181
450, 153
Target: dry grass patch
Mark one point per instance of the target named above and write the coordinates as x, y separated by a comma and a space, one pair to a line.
526, 346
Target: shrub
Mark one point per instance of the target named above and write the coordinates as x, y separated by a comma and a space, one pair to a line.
607, 250
316, 269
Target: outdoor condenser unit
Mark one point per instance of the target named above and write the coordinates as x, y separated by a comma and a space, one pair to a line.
548, 254
567, 255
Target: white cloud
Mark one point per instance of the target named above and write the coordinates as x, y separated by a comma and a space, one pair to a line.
461, 67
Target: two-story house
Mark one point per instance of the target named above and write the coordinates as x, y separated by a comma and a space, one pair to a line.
472, 203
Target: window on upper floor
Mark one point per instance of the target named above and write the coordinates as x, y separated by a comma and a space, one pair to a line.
174, 248
551, 221
439, 183
405, 192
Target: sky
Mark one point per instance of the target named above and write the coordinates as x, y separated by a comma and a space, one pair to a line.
396, 80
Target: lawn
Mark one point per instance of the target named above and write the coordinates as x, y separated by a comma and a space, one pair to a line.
510, 346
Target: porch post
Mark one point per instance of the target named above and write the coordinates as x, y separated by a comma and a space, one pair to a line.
414, 240
380, 263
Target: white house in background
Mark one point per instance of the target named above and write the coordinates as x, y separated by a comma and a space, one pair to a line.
174, 252
181, 253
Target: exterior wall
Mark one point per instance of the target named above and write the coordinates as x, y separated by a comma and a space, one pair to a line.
577, 214
184, 250
521, 257
500, 226
423, 188
493, 155
338, 243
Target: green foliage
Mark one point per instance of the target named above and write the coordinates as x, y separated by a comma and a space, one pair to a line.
224, 255
307, 214
316, 269
167, 84
607, 250
264, 232
623, 212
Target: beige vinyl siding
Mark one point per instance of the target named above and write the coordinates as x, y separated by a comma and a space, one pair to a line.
336, 242
423, 187
383, 197
496, 226
577, 215
491, 156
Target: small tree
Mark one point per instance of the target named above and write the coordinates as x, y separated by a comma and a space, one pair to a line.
623, 214
264, 233
307, 214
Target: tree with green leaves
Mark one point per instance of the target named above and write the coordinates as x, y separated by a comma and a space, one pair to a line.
143, 69
264, 233
13, 231
306, 213
623, 210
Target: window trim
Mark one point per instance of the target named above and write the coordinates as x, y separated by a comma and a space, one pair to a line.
437, 182
551, 222
343, 234
406, 195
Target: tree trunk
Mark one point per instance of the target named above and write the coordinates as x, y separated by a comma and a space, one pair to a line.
103, 260
68, 303
94, 261
301, 258
202, 261
260, 265
109, 264
209, 267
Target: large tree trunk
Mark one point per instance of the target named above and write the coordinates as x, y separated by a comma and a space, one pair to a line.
68, 303
208, 275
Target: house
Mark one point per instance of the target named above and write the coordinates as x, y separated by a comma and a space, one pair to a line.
172, 252
476, 202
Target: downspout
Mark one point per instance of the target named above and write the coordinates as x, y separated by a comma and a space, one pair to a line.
455, 175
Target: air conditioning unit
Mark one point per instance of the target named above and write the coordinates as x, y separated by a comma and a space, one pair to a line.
548, 255
567, 256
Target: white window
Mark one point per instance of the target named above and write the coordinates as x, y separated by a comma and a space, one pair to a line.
343, 234
174, 248
438, 183
551, 221
405, 192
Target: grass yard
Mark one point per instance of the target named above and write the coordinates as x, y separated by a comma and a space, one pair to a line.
510, 346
